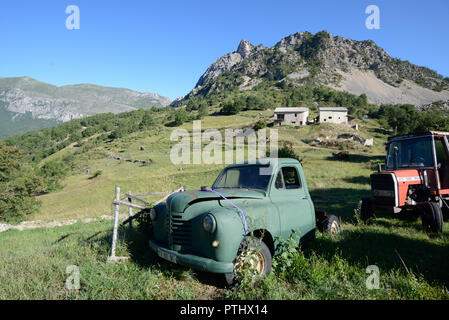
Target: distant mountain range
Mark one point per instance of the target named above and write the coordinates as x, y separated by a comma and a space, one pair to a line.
305, 59
27, 104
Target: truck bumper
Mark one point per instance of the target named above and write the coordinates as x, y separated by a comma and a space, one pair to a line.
195, 262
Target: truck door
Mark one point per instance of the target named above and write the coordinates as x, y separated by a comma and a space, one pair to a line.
291, 198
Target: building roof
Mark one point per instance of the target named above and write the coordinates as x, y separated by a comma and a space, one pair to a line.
286, 110
341, 109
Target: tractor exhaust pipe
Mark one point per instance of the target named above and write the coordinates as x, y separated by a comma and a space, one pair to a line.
425, 179
396, 158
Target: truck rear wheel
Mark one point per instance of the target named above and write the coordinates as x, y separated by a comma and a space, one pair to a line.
366, 210
332, 225
431, 217
253, 258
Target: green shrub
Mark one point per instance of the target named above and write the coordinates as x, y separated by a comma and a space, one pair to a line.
230, 108
260, 125
180, 116
203, 111
288, 249
286, 151
147, 120
18, 186
52, 172
406, 119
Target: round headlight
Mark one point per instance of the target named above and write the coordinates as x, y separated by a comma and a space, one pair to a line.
153, 214
209, 223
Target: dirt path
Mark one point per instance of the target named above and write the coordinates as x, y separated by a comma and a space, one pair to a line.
27, 225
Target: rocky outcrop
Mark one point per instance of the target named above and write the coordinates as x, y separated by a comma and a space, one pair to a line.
442, 105
226, 62
16, 100
245, 48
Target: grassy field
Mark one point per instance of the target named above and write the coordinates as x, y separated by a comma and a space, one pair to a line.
412, 264
34, 265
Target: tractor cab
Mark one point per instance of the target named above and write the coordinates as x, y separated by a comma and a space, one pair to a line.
415, 179
428, 154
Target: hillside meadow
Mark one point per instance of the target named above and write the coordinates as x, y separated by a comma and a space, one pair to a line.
412, 264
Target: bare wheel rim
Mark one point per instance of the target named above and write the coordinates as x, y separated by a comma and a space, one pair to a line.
251, 260
258, 263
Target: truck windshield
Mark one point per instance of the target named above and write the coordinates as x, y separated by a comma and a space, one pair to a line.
410, 153
247, 177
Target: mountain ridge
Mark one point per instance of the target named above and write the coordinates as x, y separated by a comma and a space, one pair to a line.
43, 101
321, 59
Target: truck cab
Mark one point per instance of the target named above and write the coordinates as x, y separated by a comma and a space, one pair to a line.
248, 208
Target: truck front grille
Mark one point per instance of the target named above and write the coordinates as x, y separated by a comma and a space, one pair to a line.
180, 233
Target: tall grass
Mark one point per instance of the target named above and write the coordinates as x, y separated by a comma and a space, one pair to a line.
34, 266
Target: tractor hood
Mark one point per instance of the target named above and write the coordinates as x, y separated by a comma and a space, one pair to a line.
178, 202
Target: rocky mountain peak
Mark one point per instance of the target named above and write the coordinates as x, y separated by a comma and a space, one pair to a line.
291, 41
245, 48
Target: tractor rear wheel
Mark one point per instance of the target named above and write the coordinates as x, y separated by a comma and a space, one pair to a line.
366, 211
432, 217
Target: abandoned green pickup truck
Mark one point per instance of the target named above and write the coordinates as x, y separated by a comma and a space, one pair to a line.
248, 208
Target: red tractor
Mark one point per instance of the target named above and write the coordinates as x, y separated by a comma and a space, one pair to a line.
415, 181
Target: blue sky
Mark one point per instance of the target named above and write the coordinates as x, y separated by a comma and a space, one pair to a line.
165, 46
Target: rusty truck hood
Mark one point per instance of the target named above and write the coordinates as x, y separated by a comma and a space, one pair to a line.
179, 201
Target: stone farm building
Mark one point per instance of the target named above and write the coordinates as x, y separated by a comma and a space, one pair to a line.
291, 116
333, 115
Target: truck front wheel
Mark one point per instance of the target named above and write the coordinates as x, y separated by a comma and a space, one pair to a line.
253, 260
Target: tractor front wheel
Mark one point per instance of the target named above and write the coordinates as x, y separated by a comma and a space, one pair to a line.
366, 210
431, 217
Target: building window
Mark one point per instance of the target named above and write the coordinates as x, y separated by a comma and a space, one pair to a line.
330, 117
280, 117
